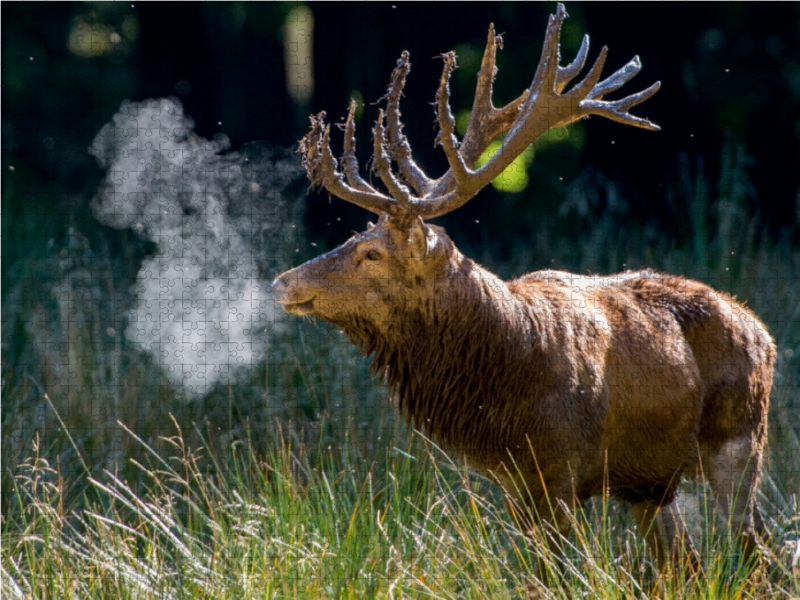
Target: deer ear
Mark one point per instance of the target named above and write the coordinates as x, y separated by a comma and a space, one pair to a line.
421, 238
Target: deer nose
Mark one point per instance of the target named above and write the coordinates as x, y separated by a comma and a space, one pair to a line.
280, 289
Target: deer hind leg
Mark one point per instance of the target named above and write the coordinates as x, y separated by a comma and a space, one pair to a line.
733, 472
665, 532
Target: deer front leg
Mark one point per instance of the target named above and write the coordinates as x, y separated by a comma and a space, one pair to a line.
542, 519
664, 530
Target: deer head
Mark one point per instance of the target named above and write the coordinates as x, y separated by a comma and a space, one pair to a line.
377, 274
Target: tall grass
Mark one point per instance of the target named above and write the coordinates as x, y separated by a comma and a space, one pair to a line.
321, 522
302, 482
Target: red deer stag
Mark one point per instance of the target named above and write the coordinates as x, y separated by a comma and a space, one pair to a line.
579, 382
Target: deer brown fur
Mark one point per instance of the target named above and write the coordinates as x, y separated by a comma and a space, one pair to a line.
559, 385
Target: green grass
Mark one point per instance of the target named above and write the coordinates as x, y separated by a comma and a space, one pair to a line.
310, 522
302, 482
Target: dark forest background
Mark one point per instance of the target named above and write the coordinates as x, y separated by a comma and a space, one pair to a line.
730, 74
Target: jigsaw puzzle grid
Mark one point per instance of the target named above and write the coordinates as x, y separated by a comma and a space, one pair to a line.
177, 317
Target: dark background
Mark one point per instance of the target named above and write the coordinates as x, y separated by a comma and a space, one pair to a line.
730, 74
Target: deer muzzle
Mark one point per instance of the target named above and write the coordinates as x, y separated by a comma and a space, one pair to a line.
290, 295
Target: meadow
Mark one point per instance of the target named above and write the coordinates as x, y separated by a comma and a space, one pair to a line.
301, 482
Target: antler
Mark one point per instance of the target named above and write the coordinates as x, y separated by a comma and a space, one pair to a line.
539, 108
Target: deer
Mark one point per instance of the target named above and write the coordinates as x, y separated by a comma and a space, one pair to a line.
559, 386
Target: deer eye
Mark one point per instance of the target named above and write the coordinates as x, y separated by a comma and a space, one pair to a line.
372, 255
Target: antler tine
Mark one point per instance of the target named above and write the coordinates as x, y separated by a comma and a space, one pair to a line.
349, 160
566, 74
447, 124
321, 168
592, 77
487, 122
616, 110
398, 146
383, 166
544, 80
310, 149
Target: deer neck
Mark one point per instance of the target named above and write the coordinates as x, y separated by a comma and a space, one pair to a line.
444, 361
